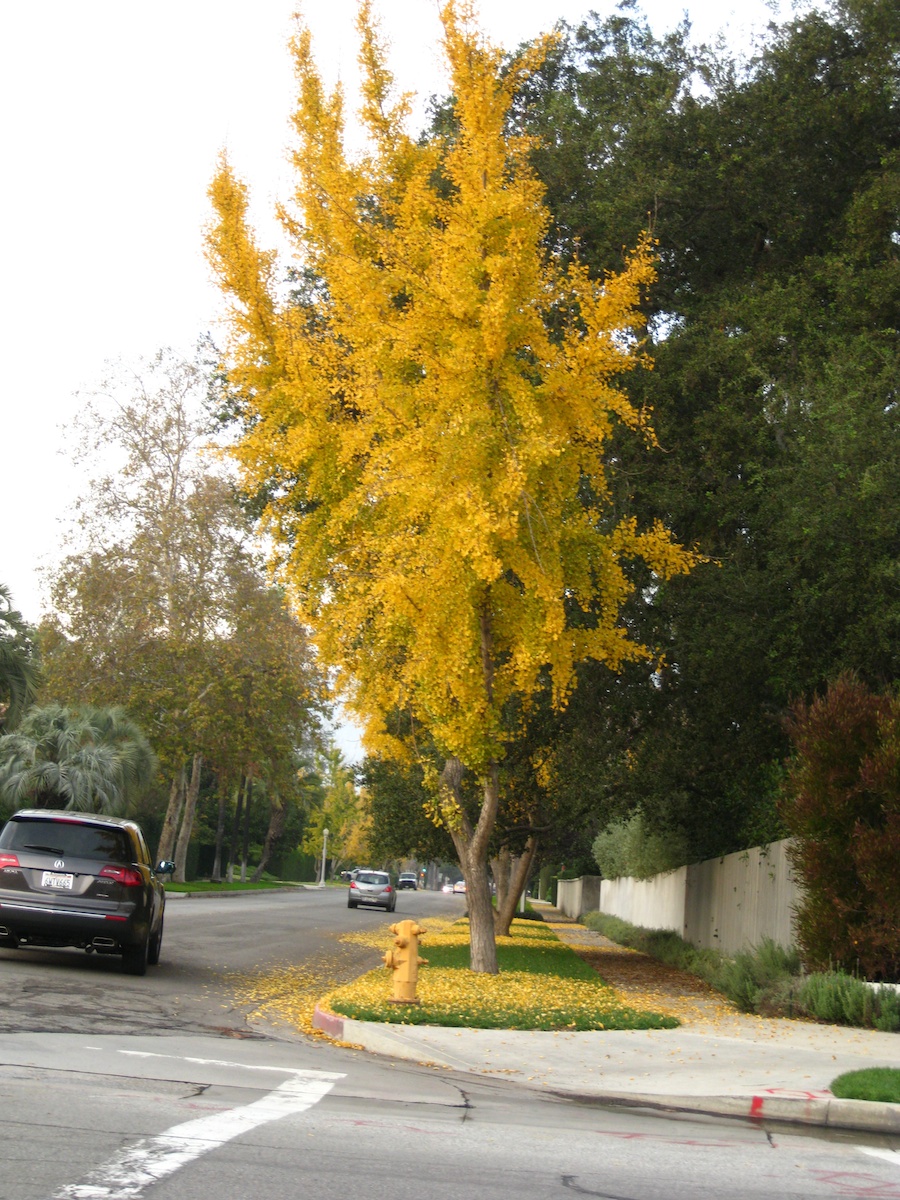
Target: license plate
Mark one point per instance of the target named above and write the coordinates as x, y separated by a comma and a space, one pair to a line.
54, 879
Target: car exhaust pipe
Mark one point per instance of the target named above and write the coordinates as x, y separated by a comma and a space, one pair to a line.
103, 943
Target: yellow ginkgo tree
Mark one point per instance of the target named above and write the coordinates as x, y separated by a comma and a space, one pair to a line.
429, 419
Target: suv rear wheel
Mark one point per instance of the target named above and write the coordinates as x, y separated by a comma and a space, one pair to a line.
135, 958
155, 945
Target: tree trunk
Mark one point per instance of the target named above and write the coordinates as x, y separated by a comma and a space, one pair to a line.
519, 868
500, 867
277, 818
220, 832
472, 850
166, 847
245, 847
482, 943
236, 828
187, 820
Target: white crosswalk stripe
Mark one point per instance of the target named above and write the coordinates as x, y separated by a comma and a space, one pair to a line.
126, 1175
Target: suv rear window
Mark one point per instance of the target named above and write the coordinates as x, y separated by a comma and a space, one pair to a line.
68, 839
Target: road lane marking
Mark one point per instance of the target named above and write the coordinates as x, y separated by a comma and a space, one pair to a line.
217, 1062
891, 1156
132, 1170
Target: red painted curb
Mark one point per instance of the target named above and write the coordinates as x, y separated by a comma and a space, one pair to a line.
328, 1023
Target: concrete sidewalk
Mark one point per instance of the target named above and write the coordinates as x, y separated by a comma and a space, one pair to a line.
719, 1061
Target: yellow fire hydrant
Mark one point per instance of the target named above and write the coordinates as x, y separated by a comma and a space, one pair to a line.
404, 961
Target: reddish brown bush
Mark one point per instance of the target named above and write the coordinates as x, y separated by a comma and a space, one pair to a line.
842, 805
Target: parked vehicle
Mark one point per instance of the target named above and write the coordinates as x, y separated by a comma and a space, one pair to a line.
373, 889
83, 880
459, 886
408, 879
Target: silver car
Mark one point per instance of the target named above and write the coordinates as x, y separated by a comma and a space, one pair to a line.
372, 889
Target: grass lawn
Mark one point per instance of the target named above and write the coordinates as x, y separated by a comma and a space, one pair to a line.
873, 1083
542, 984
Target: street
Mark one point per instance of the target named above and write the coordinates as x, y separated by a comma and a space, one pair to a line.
207, 942
116, 1087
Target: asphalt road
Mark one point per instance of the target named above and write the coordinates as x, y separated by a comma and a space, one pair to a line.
114, 1087
208, 940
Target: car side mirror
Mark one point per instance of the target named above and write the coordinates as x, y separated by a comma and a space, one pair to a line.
164, 867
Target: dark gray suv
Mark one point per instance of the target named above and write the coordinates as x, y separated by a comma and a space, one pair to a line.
81, 879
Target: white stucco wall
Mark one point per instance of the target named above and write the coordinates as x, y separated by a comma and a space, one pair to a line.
655, 903
725, 903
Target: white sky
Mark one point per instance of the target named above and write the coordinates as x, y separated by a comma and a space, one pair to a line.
113, 115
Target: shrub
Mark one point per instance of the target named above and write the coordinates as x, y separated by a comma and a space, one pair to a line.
842, 806
628, 847
843, 1000
765, 979
758, 980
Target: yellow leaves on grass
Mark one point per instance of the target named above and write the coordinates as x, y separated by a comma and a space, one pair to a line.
513, 998
450, 932
531, 1000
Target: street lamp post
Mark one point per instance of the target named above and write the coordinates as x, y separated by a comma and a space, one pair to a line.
324, 848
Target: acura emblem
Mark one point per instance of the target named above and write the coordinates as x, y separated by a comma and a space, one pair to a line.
59, 864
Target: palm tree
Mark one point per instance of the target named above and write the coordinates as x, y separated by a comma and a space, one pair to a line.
90, 759
19, 675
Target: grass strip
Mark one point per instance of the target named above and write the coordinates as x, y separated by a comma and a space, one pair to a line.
872, 1083
542, 984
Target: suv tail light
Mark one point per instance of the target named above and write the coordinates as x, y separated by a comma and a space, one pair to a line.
352, 883
127, 876
9, 860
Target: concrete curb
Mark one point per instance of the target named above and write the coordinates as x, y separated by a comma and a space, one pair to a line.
300, 887
861, 1115
822, 1111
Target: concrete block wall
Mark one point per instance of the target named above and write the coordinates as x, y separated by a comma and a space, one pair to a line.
724, 904
655, 903
577, 896
740, 899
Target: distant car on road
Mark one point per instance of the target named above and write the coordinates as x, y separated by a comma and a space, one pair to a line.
447, 887
459, 886
373, 890
84, 880
408, 879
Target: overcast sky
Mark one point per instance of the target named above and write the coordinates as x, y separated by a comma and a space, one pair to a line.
113, 115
